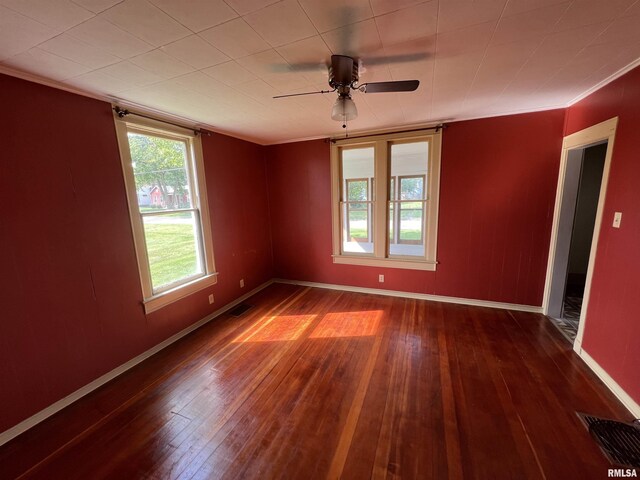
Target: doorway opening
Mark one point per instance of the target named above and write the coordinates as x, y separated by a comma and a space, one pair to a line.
584, 168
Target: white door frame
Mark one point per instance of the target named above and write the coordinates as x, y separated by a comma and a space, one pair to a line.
597, 133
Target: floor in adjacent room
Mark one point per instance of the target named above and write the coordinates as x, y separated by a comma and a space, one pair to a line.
569, 321
314, 383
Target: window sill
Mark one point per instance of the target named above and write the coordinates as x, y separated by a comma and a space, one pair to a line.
428, 265
160, 300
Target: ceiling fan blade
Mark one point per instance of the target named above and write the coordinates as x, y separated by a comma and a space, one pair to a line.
305, 93
384, 87
299, 67
409, 57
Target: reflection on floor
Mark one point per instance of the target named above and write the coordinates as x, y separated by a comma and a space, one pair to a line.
568, 324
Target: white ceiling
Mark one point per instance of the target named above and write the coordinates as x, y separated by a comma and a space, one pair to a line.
219, 62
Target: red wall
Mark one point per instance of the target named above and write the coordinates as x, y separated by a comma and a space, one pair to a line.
69, 288
497, 194
612, 327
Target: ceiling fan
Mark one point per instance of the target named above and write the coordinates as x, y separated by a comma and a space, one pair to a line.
343, 78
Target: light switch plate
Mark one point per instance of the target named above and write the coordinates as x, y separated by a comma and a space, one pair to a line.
617, 218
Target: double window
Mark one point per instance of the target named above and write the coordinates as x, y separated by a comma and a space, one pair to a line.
164, 176
385, 200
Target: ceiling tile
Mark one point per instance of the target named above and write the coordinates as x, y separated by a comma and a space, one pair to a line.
163, 65
58, 14
19, 33
71, 48
286, 82
453, 76
331, 14
133, 74
621, 31
247, 6
235, 39
410, 49
633, 9
100, 82
264, 63
454, 14
203, 84
105, 35
380, 7
408, 24
531, 24
570, 40
197, 15
386, 107
519, 6
96, 6
281, 23
46, 64
230, 73
422, 70
587, 61
145, 21
259, 90
356, 40
194, 51
500, 66
464, 40
588, 12
311, 52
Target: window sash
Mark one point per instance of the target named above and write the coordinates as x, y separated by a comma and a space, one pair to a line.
199, 249
154, 299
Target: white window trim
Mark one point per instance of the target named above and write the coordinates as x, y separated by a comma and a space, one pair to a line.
151, 301
380, 257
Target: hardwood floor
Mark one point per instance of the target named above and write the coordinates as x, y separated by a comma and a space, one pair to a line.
316, 383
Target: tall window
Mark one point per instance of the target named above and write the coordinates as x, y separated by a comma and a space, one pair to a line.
385, 195
167, 202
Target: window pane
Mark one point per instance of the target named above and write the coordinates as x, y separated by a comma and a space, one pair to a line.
410, 222
412, 188
173, 247
407, 213
159, 168
357, 214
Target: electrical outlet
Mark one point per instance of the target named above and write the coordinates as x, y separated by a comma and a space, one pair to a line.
381, 278
210, 299
242, 283
617, 218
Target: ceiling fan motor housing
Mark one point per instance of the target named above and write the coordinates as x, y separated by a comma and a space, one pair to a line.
343, 73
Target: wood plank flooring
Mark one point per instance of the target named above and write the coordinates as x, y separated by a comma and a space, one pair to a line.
315, 383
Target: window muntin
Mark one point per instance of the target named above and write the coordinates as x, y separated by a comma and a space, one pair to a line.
164, 175
403, 224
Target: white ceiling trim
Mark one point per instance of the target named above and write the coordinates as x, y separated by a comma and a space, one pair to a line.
605, 82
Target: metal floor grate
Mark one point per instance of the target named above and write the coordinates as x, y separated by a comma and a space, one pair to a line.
620, 442
240, 309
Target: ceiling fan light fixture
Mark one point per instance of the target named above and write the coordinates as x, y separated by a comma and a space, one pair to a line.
344, 109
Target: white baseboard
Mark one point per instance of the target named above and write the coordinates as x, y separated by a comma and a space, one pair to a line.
418, 296
611, 384
98, 382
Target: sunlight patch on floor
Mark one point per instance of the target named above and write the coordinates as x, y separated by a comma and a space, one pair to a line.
348, 324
